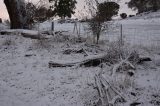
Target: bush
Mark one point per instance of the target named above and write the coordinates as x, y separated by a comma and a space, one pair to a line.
103, 12
123, 15
8, 42
131, 15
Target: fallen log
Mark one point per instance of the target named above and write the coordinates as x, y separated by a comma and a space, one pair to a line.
31, 36
91, 62
86, 63
34, 35
8, 32
96, 61
54, 64
25, 33
144, 59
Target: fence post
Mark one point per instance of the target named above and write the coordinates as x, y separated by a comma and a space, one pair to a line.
52, 26
79, 29
75, 28
121, 39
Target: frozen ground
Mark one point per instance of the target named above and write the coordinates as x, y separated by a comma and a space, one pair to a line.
27, 80
143, 29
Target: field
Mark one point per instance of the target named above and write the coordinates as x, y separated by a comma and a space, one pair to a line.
27, 80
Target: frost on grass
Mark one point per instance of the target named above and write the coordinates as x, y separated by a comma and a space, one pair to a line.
26, 79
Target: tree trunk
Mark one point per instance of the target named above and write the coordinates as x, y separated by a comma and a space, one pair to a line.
17, 13
155, 5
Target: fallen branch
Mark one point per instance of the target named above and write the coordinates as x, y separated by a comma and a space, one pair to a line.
107, 92
25, 33
144, 59
105, 82
95, 61
122, 64
69, 51
101, 91
54, 64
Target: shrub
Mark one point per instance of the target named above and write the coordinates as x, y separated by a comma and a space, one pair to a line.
131, 15
8, 42
103, 12
123, 15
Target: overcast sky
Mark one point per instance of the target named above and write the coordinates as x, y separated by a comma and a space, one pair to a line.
80, 5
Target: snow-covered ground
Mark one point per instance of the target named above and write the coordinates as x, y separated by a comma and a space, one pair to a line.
27, 80
143, 29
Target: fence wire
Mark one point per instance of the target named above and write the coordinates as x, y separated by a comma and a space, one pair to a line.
135, 34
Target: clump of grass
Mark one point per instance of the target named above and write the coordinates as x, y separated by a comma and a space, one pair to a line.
43, 44
8, 42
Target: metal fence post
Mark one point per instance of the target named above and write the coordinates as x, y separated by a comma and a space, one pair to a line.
52, 26
121, 39
79, 30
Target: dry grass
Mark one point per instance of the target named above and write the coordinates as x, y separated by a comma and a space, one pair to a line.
8, 41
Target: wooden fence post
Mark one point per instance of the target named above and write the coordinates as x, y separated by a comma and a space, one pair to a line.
121, 37
52, 26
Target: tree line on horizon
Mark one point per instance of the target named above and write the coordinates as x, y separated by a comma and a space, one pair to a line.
22, 14
144, 5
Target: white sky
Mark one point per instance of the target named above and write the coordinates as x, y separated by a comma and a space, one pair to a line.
80, 5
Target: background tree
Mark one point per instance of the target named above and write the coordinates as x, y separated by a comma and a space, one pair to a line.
37, 13
123, 15
30, 10
107, 10
63, 8
42, 14
144, 5
155, 4
17, 13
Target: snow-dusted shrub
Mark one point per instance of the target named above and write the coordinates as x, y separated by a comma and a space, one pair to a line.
43, 44
8, 42
65, 37
99, 15
118, 51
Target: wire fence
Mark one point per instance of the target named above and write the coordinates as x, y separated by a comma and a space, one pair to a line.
135, 34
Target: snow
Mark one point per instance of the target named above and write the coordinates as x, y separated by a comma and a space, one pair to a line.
143, 29
3, 26
27, 80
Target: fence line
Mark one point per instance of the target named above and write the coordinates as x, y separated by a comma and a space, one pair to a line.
137, 34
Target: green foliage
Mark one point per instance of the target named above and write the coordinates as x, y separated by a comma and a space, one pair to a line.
144, 5
63, 8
